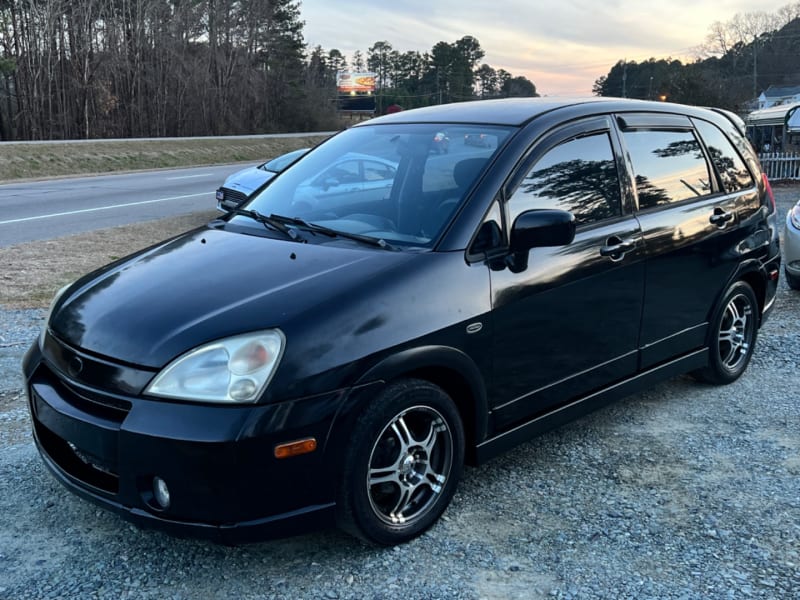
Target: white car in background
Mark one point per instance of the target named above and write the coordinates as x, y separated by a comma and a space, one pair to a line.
240, 186
354, 175
791, 248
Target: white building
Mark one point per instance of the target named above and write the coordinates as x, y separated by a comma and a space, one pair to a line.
775, 129
777, 95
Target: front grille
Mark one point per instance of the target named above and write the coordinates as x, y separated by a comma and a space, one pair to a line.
94, 403
85, 399
77, 428
232, 198
90, 470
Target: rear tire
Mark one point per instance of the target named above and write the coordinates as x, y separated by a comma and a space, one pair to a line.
402, 465
732, 336
791, 280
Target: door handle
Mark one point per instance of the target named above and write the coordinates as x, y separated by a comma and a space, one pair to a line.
720, 217
616, 247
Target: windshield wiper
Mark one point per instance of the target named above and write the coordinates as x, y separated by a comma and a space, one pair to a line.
269, 223
314, 228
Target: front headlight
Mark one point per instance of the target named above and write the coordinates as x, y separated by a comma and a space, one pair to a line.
231, 370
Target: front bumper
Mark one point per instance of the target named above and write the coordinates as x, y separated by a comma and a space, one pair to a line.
218, 461
791, 248
228, 199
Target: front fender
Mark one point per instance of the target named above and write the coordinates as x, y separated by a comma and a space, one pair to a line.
441, 365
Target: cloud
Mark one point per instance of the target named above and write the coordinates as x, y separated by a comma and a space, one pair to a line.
561, 46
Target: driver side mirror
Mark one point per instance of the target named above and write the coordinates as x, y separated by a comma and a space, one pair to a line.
327, 183
541, 228
538, 229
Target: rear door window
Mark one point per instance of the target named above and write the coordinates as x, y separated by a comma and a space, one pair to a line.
669, 166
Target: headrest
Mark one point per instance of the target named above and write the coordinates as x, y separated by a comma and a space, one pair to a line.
465, 171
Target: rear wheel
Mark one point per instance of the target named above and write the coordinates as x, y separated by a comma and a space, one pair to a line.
403, 464
732, 336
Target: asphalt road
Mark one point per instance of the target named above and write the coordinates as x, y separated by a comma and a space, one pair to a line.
42, 210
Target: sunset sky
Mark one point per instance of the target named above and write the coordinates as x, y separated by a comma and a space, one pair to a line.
563, 46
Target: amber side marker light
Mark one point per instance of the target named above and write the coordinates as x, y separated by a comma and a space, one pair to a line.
296, 448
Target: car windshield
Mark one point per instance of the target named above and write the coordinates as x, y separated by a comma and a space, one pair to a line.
399, 184
276, 165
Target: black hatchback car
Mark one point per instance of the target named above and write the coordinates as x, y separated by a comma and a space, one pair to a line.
317, 358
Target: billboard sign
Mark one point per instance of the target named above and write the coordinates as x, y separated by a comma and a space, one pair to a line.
355, 83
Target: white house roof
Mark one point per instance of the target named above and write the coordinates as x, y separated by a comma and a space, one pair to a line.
776, 115
781, 91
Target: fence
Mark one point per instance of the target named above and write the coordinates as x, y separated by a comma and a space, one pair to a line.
781, 165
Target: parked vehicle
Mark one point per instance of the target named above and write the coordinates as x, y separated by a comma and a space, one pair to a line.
480, 140
238, 188
350, 179
791, 248
312, 359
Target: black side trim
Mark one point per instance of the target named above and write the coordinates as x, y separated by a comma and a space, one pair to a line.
585, 405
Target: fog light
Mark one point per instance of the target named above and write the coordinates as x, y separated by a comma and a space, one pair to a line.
161, 492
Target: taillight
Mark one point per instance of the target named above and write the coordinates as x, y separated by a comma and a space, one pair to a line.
770, 195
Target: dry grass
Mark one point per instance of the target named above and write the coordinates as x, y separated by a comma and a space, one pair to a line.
31, 273
30, 161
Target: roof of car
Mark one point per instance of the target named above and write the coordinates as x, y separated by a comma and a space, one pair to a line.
514, 111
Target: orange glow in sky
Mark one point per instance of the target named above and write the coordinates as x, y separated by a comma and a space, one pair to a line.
563, 47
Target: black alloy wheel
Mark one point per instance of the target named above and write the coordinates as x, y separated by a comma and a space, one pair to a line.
403, 464
732, 336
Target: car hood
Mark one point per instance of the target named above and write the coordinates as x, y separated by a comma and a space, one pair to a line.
248, 180
207, 284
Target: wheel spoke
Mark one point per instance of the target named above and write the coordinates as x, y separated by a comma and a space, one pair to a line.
429, 442
729, 355
403, 434
384, 475
435, 480
403, 501
733, 310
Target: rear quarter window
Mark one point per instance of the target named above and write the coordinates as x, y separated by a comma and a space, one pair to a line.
730, 166
669, 166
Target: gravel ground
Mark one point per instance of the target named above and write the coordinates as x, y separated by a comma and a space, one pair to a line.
685, 491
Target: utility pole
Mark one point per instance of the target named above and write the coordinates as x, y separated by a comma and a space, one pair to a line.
755, 68
624, 78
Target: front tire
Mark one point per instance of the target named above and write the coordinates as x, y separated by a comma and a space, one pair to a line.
732, 336
403, 464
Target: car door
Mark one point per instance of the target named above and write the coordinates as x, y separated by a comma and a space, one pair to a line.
377, 180
568, 323
691, 228
343, 183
